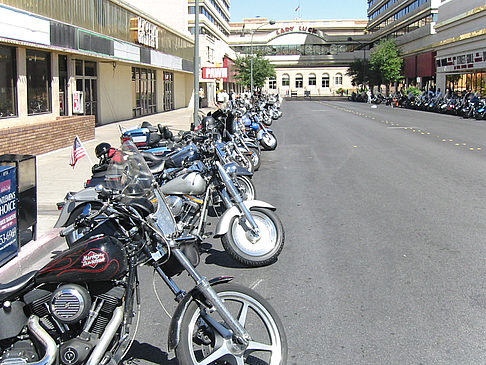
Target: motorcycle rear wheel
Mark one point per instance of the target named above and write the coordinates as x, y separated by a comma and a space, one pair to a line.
266, 249
200, 343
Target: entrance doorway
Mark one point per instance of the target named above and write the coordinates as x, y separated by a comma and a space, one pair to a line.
63, 82
86, 81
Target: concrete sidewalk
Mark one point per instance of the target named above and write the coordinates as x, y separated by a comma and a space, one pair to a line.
55, 177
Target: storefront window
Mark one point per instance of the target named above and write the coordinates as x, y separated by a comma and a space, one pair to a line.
143, 91
8, 85
38, 82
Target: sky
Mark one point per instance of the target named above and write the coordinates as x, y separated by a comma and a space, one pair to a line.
308, 9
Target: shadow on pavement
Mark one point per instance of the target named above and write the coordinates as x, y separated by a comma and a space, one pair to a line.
144, 352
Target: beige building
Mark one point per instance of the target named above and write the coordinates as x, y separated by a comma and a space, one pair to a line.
97, 62
308, 56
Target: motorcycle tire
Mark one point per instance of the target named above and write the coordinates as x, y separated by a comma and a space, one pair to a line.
269, 141
200, 342
246, 162
256, 158
266, 249
267, 121
245, 187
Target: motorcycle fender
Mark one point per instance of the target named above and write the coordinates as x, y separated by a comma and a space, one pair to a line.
251, 144
175, 324
225, 221
241, 171
80, 198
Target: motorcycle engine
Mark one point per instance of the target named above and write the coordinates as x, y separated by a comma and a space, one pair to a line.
70, 303
75, 316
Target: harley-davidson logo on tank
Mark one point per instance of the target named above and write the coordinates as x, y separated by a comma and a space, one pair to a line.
92, 258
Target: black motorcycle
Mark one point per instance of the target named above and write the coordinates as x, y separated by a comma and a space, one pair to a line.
81, 307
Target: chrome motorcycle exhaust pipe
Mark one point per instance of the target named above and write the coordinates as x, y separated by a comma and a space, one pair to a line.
106, 337
44, 338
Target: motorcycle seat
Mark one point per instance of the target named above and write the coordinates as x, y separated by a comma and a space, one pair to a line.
15, 285
157, 162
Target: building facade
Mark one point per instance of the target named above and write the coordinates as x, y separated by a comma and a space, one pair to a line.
411, 24
460, 44
100, 62
308, 56
443, 42
216, 57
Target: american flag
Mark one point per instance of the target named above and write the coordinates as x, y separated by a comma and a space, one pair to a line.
77, 152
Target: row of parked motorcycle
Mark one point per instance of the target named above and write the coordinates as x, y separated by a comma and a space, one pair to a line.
150, 202
467, 105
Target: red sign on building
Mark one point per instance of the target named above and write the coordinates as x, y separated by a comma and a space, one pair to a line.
215, 72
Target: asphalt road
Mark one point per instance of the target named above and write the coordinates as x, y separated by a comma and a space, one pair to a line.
385, 253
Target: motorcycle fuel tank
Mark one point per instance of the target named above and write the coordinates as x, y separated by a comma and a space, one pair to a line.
190, 183
97, 259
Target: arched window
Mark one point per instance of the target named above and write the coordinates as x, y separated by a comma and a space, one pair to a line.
312, 80
299, 81
339, 79
325, 80
285, 80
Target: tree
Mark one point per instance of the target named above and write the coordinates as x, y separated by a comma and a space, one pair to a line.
359, 71
386, 62
262, 69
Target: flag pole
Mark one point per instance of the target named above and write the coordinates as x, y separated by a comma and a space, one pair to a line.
85, 150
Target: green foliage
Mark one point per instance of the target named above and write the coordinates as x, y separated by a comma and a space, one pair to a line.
262, 69
414, 90
386, 62
359, 71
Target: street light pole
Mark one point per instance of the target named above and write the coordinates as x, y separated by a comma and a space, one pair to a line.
196, 63
271, 22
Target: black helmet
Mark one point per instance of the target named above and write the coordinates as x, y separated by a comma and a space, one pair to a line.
102, 149
208, 123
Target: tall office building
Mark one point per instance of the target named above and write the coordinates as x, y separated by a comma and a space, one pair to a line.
411, 24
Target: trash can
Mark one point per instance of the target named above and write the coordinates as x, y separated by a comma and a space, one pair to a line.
9, 243
26, 194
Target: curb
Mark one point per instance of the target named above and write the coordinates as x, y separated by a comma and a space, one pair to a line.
32, 256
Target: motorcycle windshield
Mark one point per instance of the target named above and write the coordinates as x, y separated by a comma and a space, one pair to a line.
129, 174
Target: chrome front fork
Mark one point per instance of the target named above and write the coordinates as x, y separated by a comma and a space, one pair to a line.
231, 188
210, 294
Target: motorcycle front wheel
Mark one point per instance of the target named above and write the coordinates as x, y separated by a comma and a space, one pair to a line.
256, 158
268, 141
255, 252
201, 343
245, 187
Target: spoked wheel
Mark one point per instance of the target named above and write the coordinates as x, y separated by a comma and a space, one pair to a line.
202, 344
245, 187
268, 141
255, 251
256, 158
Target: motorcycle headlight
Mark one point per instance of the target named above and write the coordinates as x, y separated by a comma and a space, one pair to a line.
230, 169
